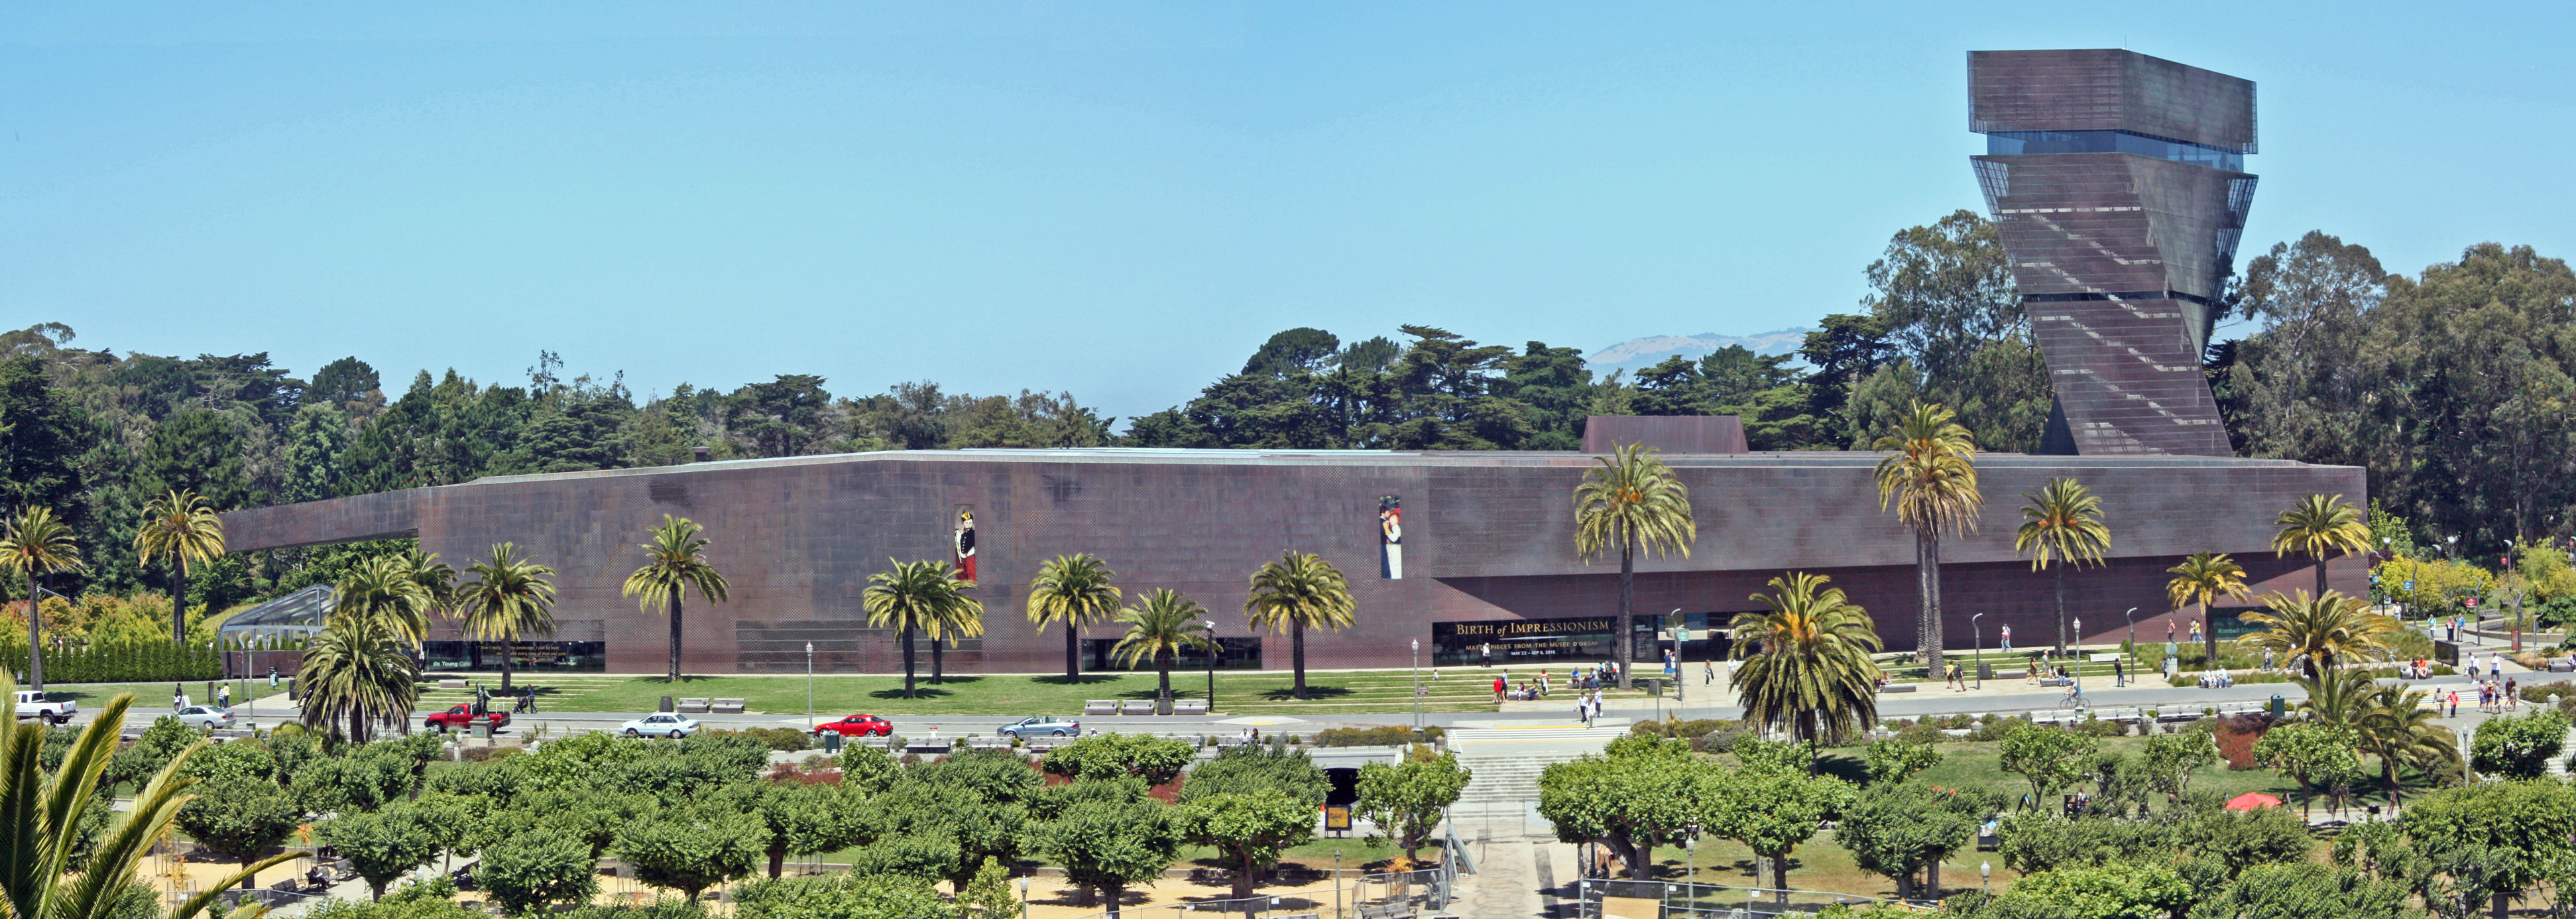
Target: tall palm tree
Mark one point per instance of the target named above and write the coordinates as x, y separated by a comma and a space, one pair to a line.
2202, 579
2400, 730
914, 596
675, 562
954, 621
2340, 698
2317, 631
386, 592
1931, 476
508, 597
356, 672
36, 546
1158, 628
2319, 526
1811, 670
437, 582
182, 529
2060, 527
1634, 503
1300, 591
1072, 591
43, 872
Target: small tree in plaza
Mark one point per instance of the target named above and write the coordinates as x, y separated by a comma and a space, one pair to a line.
1247, 830
2170, 759
380, 846
1641, 794
1109, 842
2317, 756
2519, 746
240, 817
690, 852
530, 872
1406, 800
2052, 759
1903, 830
1773, 803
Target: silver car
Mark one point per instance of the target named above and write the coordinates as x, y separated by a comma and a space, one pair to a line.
1041, 726
664, 724
206, 717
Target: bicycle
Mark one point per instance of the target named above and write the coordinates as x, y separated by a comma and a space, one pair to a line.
2075, 699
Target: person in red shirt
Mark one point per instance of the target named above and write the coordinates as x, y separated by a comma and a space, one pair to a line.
1498, 689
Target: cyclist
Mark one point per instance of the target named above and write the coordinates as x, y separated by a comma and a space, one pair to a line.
2074, 696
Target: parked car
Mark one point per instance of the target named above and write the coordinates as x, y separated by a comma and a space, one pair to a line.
661, 725
205, 716
1041, 726
856, 726
463, 718
32, 704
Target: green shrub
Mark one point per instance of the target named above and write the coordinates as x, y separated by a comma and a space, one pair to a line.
784, 740
2548, 692
1388, 736
1678, 729
1722, 740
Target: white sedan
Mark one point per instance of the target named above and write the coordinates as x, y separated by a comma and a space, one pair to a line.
207, 717
661, 725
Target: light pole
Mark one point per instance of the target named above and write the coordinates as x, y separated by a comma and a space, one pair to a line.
1979, 661
2130, 617
1681, 633
2079, 653
1213, 649
1024, 898
1417, 686
809, 687
1985, 872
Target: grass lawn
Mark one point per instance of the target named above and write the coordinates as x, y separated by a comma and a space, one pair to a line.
1239, 693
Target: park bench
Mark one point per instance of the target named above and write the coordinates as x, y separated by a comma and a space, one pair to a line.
930, 745
444, 683
1100, 707
1387, 911
881, 743
693, 706
1190, 707
2011, 674
726, 707
1899, 687
988, 743
1136, 707
1044, 744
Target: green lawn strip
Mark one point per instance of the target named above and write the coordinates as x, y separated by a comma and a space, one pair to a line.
980, 695
90, 696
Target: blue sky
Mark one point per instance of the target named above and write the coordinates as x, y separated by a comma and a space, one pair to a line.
1120, 199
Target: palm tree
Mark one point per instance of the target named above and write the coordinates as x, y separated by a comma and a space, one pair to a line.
2062, 526
955, 621
675, 561
44, 871
36, 546
2318, 631
2401, 731
1300, 591
2340, 698
356, 672
1931, 476
385, 592
916, 595
2319, 526
2202, 579
182, 529
1633, 502
508, 597
1811, 672
1157, 629
1072, 590
437, 586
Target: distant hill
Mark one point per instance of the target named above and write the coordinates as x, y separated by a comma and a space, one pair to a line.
1638, 354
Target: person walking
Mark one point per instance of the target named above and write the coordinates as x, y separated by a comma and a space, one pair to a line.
1485, 654
2455, 703
2007, 636
2195, 631
224, 696
2169, 631
1498, 689
1707, 673
2512, 698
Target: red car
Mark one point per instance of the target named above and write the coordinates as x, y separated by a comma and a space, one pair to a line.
459, 718
857, 726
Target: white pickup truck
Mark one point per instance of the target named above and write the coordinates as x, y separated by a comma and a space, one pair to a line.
32, 704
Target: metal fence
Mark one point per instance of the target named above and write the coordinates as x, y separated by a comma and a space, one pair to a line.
1395, 895
1602, 898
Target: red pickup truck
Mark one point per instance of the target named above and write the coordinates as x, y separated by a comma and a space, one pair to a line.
462, 718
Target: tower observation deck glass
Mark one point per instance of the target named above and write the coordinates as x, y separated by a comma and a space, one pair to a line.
2016, 143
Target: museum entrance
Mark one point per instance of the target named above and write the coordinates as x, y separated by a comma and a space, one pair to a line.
1585, 639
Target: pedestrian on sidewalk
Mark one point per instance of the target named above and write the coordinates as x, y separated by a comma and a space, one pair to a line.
2455, 703
2512, 699
2007, 633
1958, 677
224, 696
1485, 654
1707, 673
2195, 631
2169, 631
1498, 688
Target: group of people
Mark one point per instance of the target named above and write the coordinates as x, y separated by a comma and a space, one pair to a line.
2416, 669
2493, 697
1524, 691
1587, 706
2216, 678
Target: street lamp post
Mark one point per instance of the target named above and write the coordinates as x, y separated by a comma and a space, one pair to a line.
1979, 661
2130, 617
809, 687
1681, 633
2079, 653
1417, 685
1213, 649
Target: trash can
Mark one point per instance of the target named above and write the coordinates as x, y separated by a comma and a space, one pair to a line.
666, 704
831, 743
1985, 671
2279, 707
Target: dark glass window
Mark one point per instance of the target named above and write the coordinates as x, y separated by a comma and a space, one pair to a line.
2016, 143
1238, 654
575, 656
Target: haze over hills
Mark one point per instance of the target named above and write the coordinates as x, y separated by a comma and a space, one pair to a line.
1637, 354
